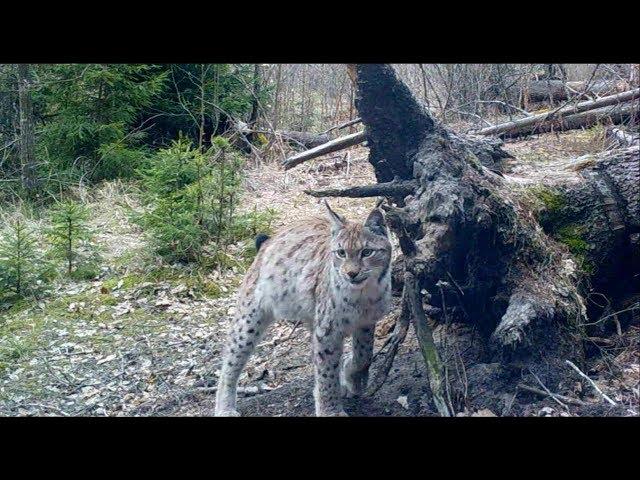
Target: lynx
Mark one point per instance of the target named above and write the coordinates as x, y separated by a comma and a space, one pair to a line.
332, 274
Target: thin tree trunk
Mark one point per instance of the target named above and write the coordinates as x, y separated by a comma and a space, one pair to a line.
276, 107
27, 129
255, 94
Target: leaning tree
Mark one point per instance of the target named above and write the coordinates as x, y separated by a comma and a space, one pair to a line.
517, 259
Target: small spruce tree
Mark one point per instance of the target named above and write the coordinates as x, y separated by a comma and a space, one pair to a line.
68, 234
19, 259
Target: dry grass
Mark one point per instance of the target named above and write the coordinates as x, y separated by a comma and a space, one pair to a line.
267, 185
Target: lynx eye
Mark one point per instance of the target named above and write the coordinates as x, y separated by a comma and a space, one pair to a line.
341, 253
367, 252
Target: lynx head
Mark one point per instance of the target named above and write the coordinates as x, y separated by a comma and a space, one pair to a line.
359, 251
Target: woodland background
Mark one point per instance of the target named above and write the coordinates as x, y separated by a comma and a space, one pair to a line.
130, 195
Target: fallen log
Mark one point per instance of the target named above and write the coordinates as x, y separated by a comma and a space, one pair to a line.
480, 254
534, 123
295, 138
584, 114
600, 87
487, 149
615, 114
398, 189
555, 90
328, 147
306, 139
547, 90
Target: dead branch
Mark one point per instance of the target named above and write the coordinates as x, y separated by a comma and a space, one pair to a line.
388, 189
542, 393
355, 121
533, 122
329, 147
427, 346
593, 384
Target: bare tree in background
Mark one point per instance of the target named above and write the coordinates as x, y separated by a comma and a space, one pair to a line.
27, 131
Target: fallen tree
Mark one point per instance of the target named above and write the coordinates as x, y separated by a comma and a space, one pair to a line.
537, 123
550, 91
547, 90
614, 114
487, 149
598, 88
295, 138
328, 147
614, 109
509, 260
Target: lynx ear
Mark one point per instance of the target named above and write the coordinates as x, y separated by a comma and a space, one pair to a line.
375, 222
337, 222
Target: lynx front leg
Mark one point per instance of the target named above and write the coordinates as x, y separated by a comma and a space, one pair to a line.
244, 336
327, 354
355, 372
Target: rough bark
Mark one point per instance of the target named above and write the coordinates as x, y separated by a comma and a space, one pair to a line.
398, 189
596, 213
477, 249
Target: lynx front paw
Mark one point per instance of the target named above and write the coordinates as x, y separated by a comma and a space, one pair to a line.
227, 413
338, 413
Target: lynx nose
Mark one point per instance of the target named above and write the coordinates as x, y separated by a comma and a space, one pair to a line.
352, 274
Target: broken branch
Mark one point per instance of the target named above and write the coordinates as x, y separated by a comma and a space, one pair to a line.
388, 189
329, 147
593, 384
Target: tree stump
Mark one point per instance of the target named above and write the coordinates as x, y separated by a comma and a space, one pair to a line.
480, 253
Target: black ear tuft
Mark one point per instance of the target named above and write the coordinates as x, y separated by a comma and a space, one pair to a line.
337, 222
260, 239
375, 222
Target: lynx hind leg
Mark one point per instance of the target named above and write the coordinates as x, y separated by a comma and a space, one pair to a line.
354, 374
248, 327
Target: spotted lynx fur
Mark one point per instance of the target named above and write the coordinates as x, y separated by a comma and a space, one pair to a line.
332, 274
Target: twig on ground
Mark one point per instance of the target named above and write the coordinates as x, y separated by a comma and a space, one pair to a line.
593, 384
245, 391
549, 392
542, 393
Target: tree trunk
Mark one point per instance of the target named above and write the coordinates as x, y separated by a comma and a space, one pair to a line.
547, 91
27, 129
483, 254
614, 114
276, 106
535, 122
255, 102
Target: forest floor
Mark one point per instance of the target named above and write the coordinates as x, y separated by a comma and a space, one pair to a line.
145, 338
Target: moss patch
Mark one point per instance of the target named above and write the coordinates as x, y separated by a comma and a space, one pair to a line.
572, 236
